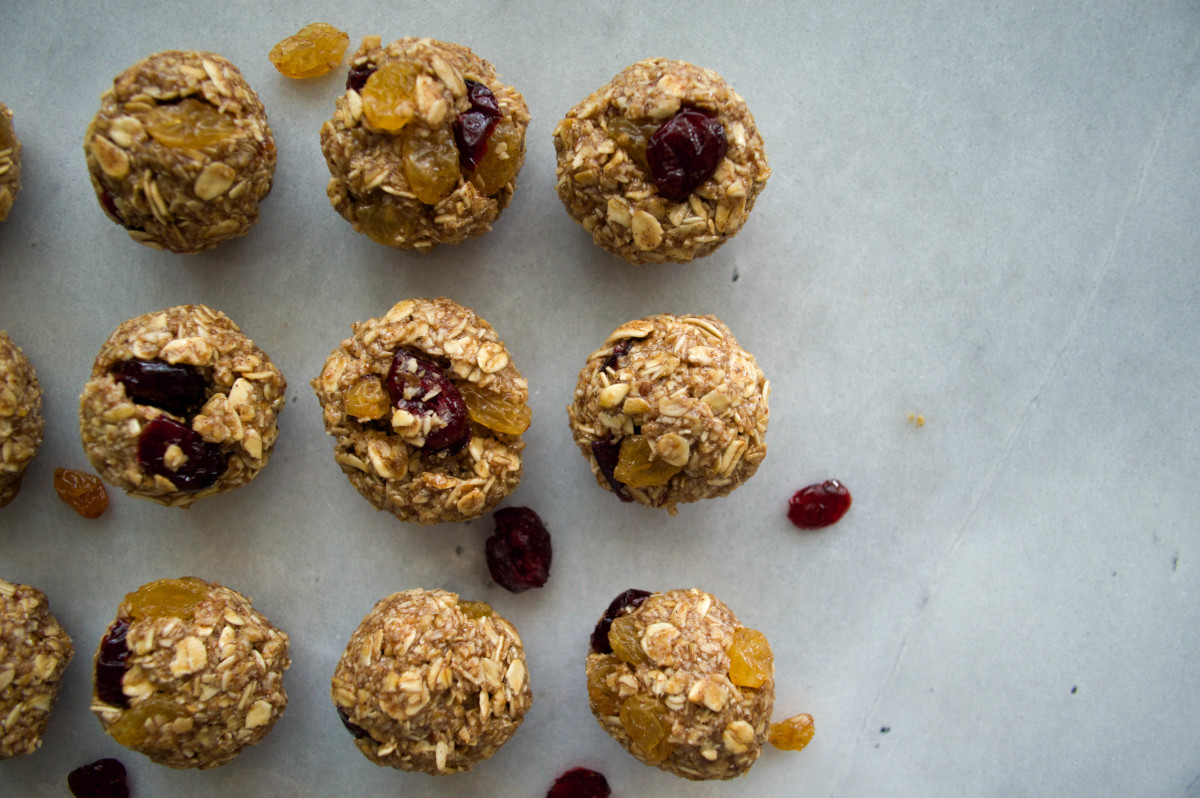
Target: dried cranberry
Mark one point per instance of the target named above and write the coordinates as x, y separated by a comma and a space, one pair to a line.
421, 388
519, 552
685, 151
104, 778
819, 505
580, 783
357, 77
623, 604
110, 665
205, 461
357, 731
110, 205
619, 350
608, 454
475, 125
481, 98
178, 388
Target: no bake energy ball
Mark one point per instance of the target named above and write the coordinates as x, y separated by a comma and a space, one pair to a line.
180, 153
662, 163
21, 422
10, 162
430, 683
34, 654
681, 684
671, 410
425, 144
189, 673
181, 405
426, 409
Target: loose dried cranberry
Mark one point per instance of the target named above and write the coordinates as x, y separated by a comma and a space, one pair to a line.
519, 552
619, 350
110, 665
358, 731
685, 151
623, 604
819, 505
177, 388
608, 454
104, 778
205, 461
420, 387
580, 783
357, 77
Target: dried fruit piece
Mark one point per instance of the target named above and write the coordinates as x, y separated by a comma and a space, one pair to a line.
420, 387
633, 138
519, 551
604, 699
792, 734
165, 443
358, 732
388, 96
474, 126
475, 609
495, 411
105, 778
820, 505
367, 401
626, 641
501, 161
356, 78
188, 124
431, 165
110, 664
623, 604
580, 783
637, 466
167, 598
685, 151
751, 662
647, 723
83, 492
608, 454
619, 350
386, 224
178, 388
130, 729
314, 51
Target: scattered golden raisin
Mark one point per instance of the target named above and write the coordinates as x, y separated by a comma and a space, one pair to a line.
637, 467
647, 723
312, 52
188, 124
167, 598
500, 163
494, 411
626, 642
475, 609
366, 400
603, 698
751, 662
130, 729
84, 492
792, 734
388, 96
431, 165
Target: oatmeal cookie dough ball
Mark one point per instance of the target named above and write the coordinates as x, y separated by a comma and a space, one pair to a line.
189, 673
181, 405
662, 163
180, 153
671, 410
426, 409
681, 684
431, 684
10, 162
21, 422
425, 144
34, 654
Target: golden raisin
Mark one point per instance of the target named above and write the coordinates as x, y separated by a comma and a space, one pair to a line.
626, 642
633, 138
751, 662
312, 52
604, 698
494, 411
388, 96
647, 723
386, 224
431, 165
639, 468
366, 400
475, 609
167, 598
130, 729
188, 124
84, 492
500, 163
792, 734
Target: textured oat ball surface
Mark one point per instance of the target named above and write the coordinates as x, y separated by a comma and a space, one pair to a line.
34, 654
21, 422
666, 692
386, 451
10, 162
605, 180
432, 684
391, 148
221, 438
202, 676
180, 153
671, 410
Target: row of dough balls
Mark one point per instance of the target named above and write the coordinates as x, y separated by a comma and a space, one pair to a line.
189, 674
663, 163
424, 403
